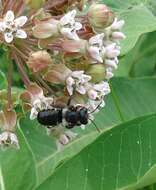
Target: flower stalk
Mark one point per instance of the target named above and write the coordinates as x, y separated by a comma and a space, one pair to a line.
9, 94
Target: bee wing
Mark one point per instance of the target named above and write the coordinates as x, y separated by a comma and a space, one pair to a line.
61, 102
60, 105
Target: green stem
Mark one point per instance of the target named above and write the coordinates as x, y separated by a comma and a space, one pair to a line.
9, 78
23, 74
44, 84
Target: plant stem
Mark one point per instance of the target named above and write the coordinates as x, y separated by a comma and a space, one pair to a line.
9, 78
20, 53
44, 84
23, 74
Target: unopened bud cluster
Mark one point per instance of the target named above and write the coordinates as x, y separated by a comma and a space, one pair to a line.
68, 56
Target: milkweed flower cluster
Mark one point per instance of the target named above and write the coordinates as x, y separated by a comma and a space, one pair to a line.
61, 55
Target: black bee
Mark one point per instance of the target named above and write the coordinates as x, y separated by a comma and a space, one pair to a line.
73, 116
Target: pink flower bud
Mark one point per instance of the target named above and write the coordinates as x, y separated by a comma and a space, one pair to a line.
92, 94
46, 29
39, 61
100, 16
118, 36
117, 25
74, 46
57, 74
32, 93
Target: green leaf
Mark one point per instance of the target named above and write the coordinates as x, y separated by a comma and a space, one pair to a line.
122, 158
126, 102
150, 187
17, 167
141, 61
119, 5
138, 20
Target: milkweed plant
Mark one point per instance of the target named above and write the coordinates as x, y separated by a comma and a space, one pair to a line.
66, 52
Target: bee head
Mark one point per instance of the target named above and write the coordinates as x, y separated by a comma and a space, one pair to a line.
83, 115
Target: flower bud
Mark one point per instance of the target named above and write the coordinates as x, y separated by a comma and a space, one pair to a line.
57, 74
97, 72
32, 93
46, 29
72, 46
92, 94
100, 16
38, 61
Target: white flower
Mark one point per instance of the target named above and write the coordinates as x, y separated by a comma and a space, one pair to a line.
11, 27
68, 25
41, 103
94, 106
77, 81
113, 32
112, 51
118, 36
96, 95
98, 91
109, 73
62, 136
65, 139
112, 63
117, 24
102, 50
95, 48
8, 138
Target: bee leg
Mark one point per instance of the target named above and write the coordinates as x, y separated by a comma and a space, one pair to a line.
95, 126
69, 126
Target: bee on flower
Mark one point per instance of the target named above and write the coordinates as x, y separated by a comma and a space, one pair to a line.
65, 60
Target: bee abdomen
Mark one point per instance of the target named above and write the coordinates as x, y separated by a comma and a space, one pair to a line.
50, 117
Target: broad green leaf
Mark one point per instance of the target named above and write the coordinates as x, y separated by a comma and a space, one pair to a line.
138, 20
150, 187
141, 61
151, 5
17, 167
119, 5
122, 158
126, 102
